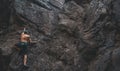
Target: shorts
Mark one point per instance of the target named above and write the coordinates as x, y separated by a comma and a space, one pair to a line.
23, 47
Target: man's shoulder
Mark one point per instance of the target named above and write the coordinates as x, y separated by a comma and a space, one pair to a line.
26, 35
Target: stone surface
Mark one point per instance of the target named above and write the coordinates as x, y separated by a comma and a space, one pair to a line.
57, 3
71, 35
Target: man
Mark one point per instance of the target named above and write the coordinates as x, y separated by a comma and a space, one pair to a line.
23, 45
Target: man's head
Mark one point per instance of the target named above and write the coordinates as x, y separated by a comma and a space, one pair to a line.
26, 32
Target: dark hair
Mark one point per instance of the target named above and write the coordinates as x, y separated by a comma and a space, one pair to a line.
26, 32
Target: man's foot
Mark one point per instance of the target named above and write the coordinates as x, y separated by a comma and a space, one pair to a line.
26, 66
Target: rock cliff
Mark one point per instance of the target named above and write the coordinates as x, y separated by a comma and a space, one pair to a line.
71, 35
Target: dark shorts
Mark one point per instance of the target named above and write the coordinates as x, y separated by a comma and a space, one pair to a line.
23, 47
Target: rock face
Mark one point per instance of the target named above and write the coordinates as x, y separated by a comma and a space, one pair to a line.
72, 35
4, 16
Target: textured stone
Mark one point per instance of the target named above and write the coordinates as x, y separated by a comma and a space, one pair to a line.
71, 35
116, 10
101, 63
57, 3
115, 59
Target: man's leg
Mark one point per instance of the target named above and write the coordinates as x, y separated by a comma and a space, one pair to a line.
25, 59
25, 55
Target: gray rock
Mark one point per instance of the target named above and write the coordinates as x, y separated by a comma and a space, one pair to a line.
101, 62
115, 59
58, 3
71, 35
116, 10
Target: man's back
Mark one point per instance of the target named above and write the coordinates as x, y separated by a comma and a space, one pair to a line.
25, 37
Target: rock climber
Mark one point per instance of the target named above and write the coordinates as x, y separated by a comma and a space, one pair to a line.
23, 45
